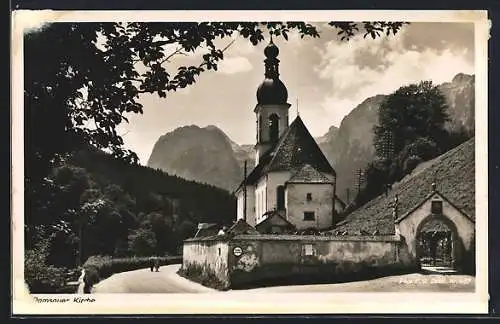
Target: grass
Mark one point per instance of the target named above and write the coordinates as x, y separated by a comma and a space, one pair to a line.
203, 276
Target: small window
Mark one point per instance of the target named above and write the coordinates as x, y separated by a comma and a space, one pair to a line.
308, 249
309, 196
308, 216
437, 207
280, 199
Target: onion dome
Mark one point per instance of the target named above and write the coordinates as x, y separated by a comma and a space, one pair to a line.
271, 91
271, 50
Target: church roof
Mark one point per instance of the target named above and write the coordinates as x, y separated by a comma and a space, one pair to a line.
292, 152
308, 174
297, 147
454, 174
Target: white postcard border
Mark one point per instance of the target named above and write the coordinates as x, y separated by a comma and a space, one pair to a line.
252, 303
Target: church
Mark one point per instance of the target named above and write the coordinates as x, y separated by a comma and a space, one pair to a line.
425, 223
292, 184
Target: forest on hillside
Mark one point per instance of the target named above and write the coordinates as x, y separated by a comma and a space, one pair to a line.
105, 206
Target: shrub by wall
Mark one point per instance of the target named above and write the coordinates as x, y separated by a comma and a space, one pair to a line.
203, 276
44, 278
40, 277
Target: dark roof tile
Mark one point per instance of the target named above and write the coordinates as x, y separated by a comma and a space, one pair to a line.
308, 174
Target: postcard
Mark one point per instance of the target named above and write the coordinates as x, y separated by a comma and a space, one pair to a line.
249, 162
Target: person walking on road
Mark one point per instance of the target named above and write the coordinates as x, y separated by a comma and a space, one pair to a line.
157, 264
151, 263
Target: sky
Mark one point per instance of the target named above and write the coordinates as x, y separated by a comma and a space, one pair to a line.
326, 76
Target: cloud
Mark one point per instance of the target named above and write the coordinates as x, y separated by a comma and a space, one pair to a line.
232, 65
241, 46
362, 68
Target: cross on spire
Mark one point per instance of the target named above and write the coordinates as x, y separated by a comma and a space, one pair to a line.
297, 107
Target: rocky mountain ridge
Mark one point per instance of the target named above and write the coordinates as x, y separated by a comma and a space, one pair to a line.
208, 155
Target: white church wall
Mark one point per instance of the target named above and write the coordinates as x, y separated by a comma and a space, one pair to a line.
275, 179
260, 199
250, 215
250, 212
321, 204
239, 203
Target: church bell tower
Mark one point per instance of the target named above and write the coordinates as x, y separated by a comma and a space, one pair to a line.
272, 108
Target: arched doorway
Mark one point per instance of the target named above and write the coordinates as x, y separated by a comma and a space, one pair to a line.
439, 247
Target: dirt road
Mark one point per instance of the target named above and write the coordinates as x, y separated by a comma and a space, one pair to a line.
168, 281
145, 281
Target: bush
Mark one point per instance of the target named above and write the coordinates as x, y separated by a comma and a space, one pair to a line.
411, 163
203, 276
101, 267
39, 276
424, 148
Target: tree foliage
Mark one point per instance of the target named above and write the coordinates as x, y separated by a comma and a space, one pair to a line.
411, 112
142, 241
40, 276
82, 79
411, 129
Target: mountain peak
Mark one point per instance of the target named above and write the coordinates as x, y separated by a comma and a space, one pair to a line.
212, 127
332, 129
462, 77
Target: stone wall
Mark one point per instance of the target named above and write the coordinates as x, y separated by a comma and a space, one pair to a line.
293, 258
247, 260
207, 259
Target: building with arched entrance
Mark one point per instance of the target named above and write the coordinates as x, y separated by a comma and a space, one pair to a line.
438, 234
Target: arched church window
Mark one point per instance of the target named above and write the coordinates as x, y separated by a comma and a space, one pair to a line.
273, 127
280, 198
